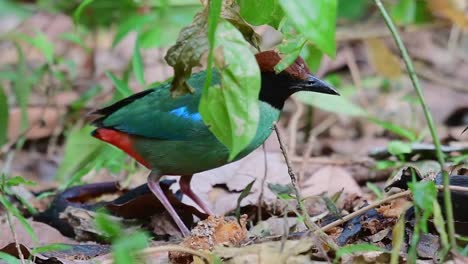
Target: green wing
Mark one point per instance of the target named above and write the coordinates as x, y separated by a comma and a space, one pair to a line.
155, 114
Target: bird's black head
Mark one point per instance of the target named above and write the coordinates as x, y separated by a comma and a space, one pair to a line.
276, 88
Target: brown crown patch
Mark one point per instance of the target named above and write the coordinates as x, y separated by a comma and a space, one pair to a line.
267, 61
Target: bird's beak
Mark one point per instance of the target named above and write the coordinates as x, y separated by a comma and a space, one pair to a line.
314, 84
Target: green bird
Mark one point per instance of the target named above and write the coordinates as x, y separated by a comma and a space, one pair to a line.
169, 137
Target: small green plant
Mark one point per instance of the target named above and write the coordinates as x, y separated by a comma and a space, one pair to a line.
125, 245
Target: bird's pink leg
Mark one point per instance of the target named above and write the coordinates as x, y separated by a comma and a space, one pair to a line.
185, 188
153, 184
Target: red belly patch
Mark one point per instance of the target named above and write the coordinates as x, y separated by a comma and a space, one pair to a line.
121, 140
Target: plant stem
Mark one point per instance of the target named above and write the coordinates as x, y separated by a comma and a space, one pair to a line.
302, 210
430, 122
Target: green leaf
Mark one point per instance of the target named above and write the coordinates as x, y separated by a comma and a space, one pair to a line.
386, 164
214, 12
120, 85
352, 10
407, 12
9, 259
50, 247
396, 147
43, 44
79, 10
193, 42
316, 20
137, 63
331, 206
258, 12
231, 109
282, 191
4, 117
356, 248
242, 195
403, 12
292, 48
110, 228
331, 103
74, 38
424, 193
398, 236
376, 190
18, 180
396, 129
440, 226
132, 23
124, 249
80, 149
312, 56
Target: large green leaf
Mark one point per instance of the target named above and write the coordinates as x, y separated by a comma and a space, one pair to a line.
231, 109
316, 20
258, 12
214, 13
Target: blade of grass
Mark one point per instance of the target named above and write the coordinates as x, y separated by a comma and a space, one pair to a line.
440, 156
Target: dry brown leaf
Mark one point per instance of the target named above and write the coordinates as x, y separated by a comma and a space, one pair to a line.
384, 61
395, 208
45, 234
330, 179
453, 10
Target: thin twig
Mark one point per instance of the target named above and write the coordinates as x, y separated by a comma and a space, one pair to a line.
430, 122
303, 212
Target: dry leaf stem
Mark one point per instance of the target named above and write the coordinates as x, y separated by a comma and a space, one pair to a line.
302, 210
430, 122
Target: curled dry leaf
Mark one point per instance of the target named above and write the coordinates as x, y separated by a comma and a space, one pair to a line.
192, 43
